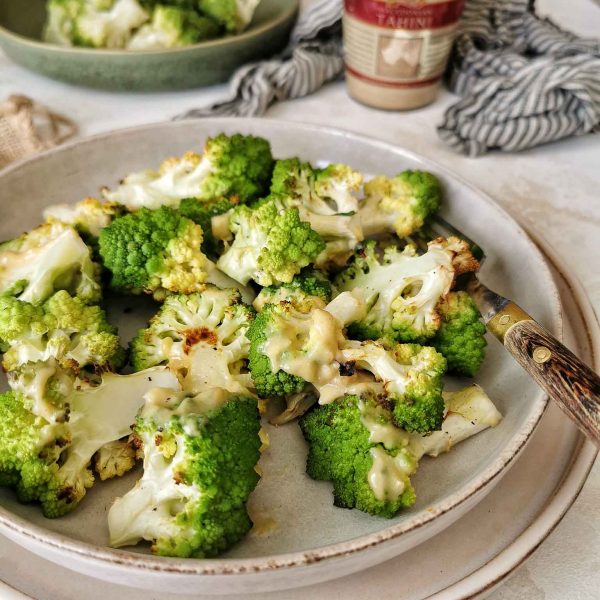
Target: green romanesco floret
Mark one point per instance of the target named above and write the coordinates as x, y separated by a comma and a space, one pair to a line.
400, 204
154, 251
461, 336
234, 15
199, 469
50, 463
402, 289
46, 259
271, 244
368, 472
202, 213
77, 336
173, 27
88, 217
270, 380
237, 166
309, 289
326, 199
93, 23
202, 338
411, 379
355, 443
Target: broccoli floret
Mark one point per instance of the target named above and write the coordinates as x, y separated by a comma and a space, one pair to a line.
411, 379
88, 217
325, 198
270, 381
234, 15
202, 338
173, 27
270, 244
46, 259
199, 469
154, 251
461, 336
309, 289
93, 23
402, 290
401, 204
232, 166
202, 213
369, 473
50, 463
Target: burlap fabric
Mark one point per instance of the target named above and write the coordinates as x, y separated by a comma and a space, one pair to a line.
27, 127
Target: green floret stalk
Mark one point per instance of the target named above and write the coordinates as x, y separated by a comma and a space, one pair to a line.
47, 259
216, 277
200, 455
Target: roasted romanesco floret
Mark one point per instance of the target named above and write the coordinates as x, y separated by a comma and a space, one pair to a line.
326, 198
234, 15
271, 244
370, 473
50, 463
173, 27
355, 444
411, 380
52, 348
270, 380
93, 23
154, 251
401, 204
309, 289
403, 289
202, 338
232, 166
46, 259
200, 455
461, 336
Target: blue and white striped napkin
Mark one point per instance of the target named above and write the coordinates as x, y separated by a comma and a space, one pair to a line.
523, 81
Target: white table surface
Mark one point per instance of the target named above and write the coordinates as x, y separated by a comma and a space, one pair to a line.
553, 189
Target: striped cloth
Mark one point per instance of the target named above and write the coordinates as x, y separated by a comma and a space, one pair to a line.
312, 58
523, 81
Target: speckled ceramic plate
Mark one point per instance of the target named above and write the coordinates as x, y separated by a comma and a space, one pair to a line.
21, 25
312, 541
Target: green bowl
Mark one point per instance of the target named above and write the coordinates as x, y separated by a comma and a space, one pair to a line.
22, 21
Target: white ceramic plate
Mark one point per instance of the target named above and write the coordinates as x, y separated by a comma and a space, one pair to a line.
313, 540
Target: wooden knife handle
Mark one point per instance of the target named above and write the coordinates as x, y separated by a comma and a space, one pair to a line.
565, 378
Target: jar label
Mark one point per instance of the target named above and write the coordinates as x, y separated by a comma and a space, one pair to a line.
403, 43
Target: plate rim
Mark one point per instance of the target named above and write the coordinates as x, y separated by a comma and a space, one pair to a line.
272, 563
248, 34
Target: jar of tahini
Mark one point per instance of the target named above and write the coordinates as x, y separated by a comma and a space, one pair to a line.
397, 50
